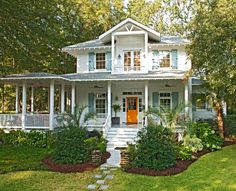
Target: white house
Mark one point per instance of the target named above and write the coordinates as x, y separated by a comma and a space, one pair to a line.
131, 65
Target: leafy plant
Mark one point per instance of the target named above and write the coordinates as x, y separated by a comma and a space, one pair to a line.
155, 148
116, 108
183, 152
194, 144
230, 125
210, 139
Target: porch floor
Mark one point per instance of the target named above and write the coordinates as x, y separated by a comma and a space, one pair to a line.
125, 125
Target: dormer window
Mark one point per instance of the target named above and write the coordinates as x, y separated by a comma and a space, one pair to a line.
164, 59
100, 61
132, 60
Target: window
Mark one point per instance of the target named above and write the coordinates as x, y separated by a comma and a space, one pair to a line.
164, 59
140, 104
100, 103
132, 60
165, 100
124, 104
200, 101
100, 61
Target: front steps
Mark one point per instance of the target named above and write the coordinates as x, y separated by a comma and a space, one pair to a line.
118, 137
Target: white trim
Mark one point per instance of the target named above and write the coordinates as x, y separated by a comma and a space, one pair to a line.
128, 33
157, 34
146, 96
32, 100
51, 102
17, 99
62, 98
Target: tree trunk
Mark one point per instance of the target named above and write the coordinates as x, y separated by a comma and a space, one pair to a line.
219, 118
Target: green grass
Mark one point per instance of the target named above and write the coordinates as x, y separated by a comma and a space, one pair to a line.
20, 157
214, 171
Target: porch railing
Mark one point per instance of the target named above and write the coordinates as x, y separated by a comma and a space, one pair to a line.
37, 121
10, 120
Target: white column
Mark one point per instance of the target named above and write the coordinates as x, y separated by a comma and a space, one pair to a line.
17, 99
23, 104
62, 98
51, 102
112, 50
224, 107
186, 98
73, 97
146, 96
146, 49
32, 99
190, 98
109, 100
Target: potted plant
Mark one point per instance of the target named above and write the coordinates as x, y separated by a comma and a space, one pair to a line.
116, 120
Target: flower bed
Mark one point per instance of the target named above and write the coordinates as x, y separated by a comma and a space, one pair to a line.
67, 168
180, 166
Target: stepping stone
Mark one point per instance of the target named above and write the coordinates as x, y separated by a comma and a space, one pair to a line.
106, 171
100, 181
91, 186
97, 176
109, 176
103, 187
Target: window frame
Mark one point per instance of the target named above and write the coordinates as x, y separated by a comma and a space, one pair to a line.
133, 57
103, 97
165, 97
101, 61
159, 59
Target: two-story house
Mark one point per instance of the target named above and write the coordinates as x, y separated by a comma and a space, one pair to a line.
131, 65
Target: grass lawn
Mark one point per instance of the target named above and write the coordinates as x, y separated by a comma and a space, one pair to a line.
214, 171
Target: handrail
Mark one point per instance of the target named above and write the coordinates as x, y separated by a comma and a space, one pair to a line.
105, 126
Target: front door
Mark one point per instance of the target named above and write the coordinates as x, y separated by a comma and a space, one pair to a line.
132, 109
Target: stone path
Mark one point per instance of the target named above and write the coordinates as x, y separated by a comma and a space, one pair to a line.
102, 177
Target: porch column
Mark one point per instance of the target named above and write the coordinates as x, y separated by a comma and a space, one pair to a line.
186, 98
190, 98
146, 96
109, 100
32, 99
73, 97
23, 104
62, 98
113, 50
17, 99
146, 49
51, 110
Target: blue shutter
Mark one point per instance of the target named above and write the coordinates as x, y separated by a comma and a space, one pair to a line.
155, 60
91, 61
108, 61
155, 99
175, 99
91, 102
174, 59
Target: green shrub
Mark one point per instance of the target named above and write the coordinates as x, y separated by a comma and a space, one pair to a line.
102, 145
91, 143
155, 148
70, 146
230, 125
194, 144
183, 153
210, 139
132, 151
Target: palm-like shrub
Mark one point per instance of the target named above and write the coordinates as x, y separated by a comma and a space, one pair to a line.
168, 117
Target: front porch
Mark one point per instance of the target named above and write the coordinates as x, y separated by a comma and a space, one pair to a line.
134, 97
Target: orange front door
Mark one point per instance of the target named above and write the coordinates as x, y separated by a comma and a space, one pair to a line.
132, 109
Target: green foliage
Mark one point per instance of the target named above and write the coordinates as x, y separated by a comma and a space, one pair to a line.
70, 146
183, 152
155, 149
230, 125
194, 144
132, 151
116, 108
210, 139
40, 139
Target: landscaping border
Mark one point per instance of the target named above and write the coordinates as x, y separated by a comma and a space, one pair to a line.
180, 166
68, 168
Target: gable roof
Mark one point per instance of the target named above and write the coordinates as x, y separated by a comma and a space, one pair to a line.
152, 33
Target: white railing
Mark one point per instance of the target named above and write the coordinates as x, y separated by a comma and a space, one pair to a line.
37, 121
10, 120
106, 126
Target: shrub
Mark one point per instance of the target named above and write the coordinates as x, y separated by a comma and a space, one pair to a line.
194, 144
102, 145
155, 148
210, 139
230, 125
70, 146
183, 153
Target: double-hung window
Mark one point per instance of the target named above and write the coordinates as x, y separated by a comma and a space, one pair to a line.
100, 103
100, 61
165, 100
132, 60
164, 59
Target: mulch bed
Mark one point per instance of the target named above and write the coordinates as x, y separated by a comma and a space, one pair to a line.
178, 168
67, 168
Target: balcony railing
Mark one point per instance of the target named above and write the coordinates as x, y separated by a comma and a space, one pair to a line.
10, 120
37, 120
